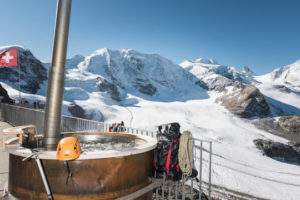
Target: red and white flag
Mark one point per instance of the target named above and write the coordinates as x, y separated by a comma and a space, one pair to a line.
9, 58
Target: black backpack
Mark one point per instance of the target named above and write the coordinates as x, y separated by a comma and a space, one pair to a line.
166, 152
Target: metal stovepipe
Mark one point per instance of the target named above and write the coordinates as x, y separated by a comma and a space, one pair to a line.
55, 88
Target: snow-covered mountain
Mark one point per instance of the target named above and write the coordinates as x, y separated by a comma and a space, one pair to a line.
216, 76
145, 90
281, 89
287, 76
118, 73
275, 86
122, 77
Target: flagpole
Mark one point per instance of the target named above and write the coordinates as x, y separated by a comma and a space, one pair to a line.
19, 84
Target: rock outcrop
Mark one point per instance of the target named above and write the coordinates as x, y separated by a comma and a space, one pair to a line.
286, 126
245, 101
219, 83
290, 124
268, 124
282, 88
77, 111
4, 98
285, 152
110, 88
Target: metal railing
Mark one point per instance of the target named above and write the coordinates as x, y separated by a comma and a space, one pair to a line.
202, 149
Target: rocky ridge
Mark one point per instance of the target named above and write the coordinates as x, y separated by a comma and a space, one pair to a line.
245, 101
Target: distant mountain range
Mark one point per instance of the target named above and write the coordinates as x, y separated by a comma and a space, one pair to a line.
118, 75
235, 110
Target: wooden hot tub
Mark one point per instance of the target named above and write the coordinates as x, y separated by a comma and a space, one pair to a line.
104, 174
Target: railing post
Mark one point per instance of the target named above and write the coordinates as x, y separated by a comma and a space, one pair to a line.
170, 183
200, 172
210, 157
192, 165
163, 186
176, 190
183, 189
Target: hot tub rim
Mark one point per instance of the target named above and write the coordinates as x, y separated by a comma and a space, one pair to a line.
51, 155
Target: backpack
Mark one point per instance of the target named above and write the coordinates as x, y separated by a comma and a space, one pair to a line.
166, 152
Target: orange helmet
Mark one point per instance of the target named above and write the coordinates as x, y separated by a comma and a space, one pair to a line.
68, 148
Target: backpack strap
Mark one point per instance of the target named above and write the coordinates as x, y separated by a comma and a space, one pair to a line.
169, 159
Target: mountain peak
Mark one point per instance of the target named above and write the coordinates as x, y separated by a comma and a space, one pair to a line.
247, 70
205, 61
19, 47
125, 50
102, 51
297, 62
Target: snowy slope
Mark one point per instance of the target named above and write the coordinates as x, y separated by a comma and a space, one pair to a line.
237, 164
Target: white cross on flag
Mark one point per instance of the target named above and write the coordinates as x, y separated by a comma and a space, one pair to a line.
9, 58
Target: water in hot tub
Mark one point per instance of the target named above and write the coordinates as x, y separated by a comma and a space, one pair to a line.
91, 143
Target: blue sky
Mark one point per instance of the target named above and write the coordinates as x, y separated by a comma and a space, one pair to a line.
262, 34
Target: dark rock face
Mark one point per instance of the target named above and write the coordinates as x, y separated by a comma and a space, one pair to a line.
202, 84
33, 73
295, 146
282, 88
4, 98
290, 124
77, 111
144, 87
105, 86
289, 153
247, 70
245, 101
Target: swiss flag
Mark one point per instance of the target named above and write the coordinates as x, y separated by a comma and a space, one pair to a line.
9, 58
